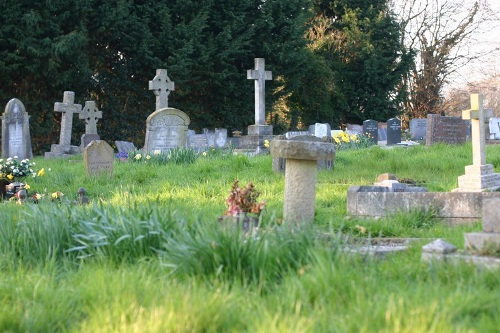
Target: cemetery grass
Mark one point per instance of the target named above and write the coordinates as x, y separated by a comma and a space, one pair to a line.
147, 254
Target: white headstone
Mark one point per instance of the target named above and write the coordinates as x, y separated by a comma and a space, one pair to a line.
166, 129
322, 130
494, 124
260, 75
16, 140
161, 86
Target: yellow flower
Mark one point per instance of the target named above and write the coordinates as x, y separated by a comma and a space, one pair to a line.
10, 177
148, 157
204, 153
27, 187
353, 137
138, 156
266, 143
336, 139
157, 152
37, 196
41, 172
57, 195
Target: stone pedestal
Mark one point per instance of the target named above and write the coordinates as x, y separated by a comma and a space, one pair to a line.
478, 178
488, 241
257, 134
300, 175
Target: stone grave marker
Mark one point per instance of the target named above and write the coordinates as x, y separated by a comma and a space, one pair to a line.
479, 176
125, 146
16, 139
91, 115
198, 142
260, 75
354, 129
494, 125
418, 129
487, 241
166, 129
68, 108
296, 133
382, 131
450, 130
393, 131
161, 86
322, 130
98, 158
210, 137
370, 129
220, 137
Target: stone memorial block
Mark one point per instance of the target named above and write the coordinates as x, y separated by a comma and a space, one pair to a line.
418, 129
98, 158
198, 142
354, 129
16, 139
220, 137
450, 130
322, 130
393, 131
494, 125
370, 129
125, 146
166, 129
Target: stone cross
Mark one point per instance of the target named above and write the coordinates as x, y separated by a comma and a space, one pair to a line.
161, 86
477, 115
90, 114
260, 75
68, 108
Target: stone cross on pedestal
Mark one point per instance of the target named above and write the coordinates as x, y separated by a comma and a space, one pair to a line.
68, 108
90, 114
260, 75
161, 86
479, 176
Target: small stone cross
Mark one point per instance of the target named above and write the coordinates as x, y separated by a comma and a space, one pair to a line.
260, 75
68, 108
161, 86
90, 114
477, 115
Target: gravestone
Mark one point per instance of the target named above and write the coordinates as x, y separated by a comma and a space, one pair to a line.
296, 133
98, 158
370, 129
220, 137
494, 126
382, 131
68, 108
210, 137
161, 86
487, 241
198, 142
450, 130
125, 146
354, 129
322, 130
166, 129
393, 131
479, 176
16, 139
91, 115
418, 129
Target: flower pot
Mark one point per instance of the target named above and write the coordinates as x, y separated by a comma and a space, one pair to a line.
12, 188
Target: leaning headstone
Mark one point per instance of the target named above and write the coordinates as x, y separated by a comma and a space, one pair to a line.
125, 146
322, 130
166, 129
68, 108
494, 125
91, 115
370, 129
479, 176
393, 131
98, 158
16, 139
418, 129
450, 130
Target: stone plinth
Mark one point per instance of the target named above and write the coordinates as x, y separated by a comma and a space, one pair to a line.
300, 175
487, 241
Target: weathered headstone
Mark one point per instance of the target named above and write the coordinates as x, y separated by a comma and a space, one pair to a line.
322, 130
98, 158
166, 129
220, 137
479, 176
494, 125
393, 131
296, 133
125, 146
382, 131
370, 129
451, 130
161, 86
210, 134
354, 129
68, 108
16, 139
489, 240
418, 129
198, 142
91, 115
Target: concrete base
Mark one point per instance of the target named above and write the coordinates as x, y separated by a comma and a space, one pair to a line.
478, 178
57, 150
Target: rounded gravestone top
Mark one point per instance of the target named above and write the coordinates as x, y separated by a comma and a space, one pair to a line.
304, 147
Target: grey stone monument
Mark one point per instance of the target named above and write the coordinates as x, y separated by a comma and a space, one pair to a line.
68, 108
91, 115
450, 130
418, 129
393, 131
370, 129
98, 158
16, 139
161, 86
322, 130
166, 129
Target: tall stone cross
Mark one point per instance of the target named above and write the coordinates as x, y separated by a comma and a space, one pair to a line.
90, 114
477, 115
161, 86
260, 75
68, 108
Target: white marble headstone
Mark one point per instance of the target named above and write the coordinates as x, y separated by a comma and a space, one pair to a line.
16, 140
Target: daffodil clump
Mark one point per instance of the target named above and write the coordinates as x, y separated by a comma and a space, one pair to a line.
345, 141
175, 155
13, 169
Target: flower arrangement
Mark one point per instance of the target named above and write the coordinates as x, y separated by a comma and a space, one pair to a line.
344, 141
14, 169
243, 200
